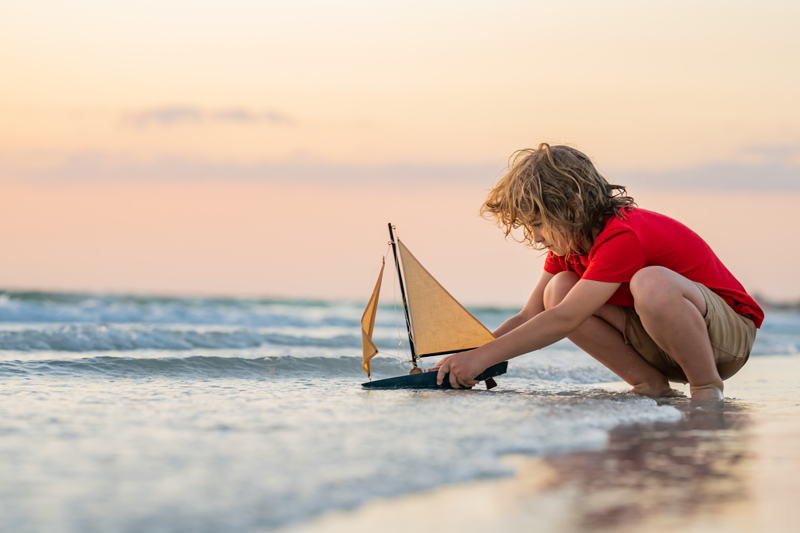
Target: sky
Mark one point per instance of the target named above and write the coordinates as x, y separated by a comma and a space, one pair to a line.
257, 148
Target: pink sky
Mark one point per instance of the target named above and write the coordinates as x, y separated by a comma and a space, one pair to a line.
314, 241
259, 148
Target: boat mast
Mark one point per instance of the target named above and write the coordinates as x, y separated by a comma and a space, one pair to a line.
414, 357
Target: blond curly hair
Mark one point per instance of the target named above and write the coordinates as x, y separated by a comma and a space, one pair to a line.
559, 186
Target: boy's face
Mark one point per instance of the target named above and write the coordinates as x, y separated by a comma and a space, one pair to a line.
549, 237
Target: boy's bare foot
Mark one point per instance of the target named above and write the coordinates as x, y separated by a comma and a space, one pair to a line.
656, 390
707, 392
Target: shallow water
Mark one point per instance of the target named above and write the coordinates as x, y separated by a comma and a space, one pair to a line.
168, 414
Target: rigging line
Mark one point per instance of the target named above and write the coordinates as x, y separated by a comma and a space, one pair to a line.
396, 321
400, 344
395, 241
371, 282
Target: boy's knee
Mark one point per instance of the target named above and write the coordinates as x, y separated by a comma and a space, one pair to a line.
649, 279
651, 288
558, 288
656, 288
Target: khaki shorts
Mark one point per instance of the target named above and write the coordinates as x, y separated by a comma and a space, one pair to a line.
732, 337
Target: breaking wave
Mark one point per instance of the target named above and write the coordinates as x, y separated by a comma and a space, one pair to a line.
285, 366
204, 367
592, 372
36, 307
92, 338
60, 322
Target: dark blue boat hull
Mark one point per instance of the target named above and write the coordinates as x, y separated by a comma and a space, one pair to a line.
427, 380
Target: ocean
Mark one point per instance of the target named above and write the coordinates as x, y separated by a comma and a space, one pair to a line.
131, 413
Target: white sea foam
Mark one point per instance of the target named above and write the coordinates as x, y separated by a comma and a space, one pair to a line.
560, 365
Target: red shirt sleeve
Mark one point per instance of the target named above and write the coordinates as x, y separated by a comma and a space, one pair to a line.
615, 257
553, 265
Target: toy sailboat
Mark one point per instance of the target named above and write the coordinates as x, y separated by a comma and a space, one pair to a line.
437, 325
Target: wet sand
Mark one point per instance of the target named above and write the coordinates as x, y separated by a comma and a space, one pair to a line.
733, 467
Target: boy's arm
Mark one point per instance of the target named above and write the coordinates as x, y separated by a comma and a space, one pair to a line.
547, 327
534, 306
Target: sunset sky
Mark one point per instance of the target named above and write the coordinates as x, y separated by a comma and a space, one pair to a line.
259, 148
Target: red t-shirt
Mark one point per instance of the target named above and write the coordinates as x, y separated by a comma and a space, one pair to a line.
646, 238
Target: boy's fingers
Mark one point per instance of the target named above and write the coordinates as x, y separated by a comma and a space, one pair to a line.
442, 371
467, 383
454, 380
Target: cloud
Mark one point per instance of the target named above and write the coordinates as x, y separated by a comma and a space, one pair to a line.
175, 115
767, 176
777, 153
101, 167
243, 115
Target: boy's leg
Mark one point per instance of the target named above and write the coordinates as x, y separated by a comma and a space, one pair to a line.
601, 337
672, 309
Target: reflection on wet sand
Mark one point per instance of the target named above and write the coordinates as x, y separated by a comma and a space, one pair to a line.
723, 468
688, 474
665, 472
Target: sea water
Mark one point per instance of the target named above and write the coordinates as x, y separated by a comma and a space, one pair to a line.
123, 413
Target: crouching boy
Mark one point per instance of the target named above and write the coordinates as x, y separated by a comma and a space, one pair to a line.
638, 291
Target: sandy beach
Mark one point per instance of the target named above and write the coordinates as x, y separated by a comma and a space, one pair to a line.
731, 467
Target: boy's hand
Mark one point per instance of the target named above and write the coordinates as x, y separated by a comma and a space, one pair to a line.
463, 368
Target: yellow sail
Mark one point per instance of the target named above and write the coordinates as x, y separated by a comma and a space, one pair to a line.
368, 324
440, 324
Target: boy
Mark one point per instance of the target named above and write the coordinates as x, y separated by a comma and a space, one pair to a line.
640, 292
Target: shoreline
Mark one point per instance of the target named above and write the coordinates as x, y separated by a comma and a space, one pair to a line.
729, 467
